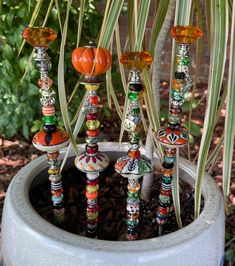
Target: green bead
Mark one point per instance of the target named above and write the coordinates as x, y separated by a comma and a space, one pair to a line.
166, 179
133, 96
134, 137
49, 120
185, 61
174, 118
134, 195
176, 94
135, 111
164, 199
92, 124
169, 159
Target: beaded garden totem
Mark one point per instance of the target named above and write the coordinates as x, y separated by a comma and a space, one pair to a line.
50, 139
91, 62
173, 135
134, 165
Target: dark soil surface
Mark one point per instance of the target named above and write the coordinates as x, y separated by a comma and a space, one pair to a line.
112, 206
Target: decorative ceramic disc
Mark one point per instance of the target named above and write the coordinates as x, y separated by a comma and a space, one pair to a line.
172, 138
94, 163
133, 167
51, 142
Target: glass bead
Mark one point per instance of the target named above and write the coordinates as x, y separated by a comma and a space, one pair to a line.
92, 124
179, 75
133, 96
47, 82
93, 209
185, 34
132, 195
49, 128
176, 94
91, 195
164, 199
174, 118
167, 179
92, 116
53, 155
135, 111
92, 133
168, 159
91, 149
92, 215
134, 154
185, 61
53, 171
39, 36
94, 99
92, 189
49, 120
136, 60
134, 137
91, 140
136, 87
133, 188
133, 216
177, 84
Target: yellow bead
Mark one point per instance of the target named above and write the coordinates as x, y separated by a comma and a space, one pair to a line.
91, 87
92, 124
92, 215
92, 189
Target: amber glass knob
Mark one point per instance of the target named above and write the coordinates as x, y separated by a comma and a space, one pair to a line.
185, 34
39, 36
136, 60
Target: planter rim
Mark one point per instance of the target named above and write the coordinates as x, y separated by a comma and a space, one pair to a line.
42, 229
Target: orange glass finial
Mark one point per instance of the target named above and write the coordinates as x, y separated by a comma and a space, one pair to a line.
185, 34
136, 60
39, 36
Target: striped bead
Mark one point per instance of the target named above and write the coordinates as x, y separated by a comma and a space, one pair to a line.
48, 110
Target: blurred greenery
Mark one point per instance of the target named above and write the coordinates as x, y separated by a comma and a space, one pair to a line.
19, 103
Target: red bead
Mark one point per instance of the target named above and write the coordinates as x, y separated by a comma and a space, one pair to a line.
162, 210
91, 149
165, 192
92, 116
92, 133
92, 182
94, 99
92, 222
94, 209
134, 154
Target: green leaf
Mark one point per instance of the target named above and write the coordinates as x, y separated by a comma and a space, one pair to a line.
219, 35
230, 116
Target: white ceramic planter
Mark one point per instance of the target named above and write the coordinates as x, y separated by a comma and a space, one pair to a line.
29, 240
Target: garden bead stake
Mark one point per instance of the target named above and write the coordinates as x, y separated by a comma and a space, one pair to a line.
134, 165
174, 135
91, 63
51, 139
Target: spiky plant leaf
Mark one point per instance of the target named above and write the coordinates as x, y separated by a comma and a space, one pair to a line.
219, 36
230, 116
61, 83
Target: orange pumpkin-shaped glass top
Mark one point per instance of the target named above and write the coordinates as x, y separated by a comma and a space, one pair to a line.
185, 34
91, 61
39, 36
